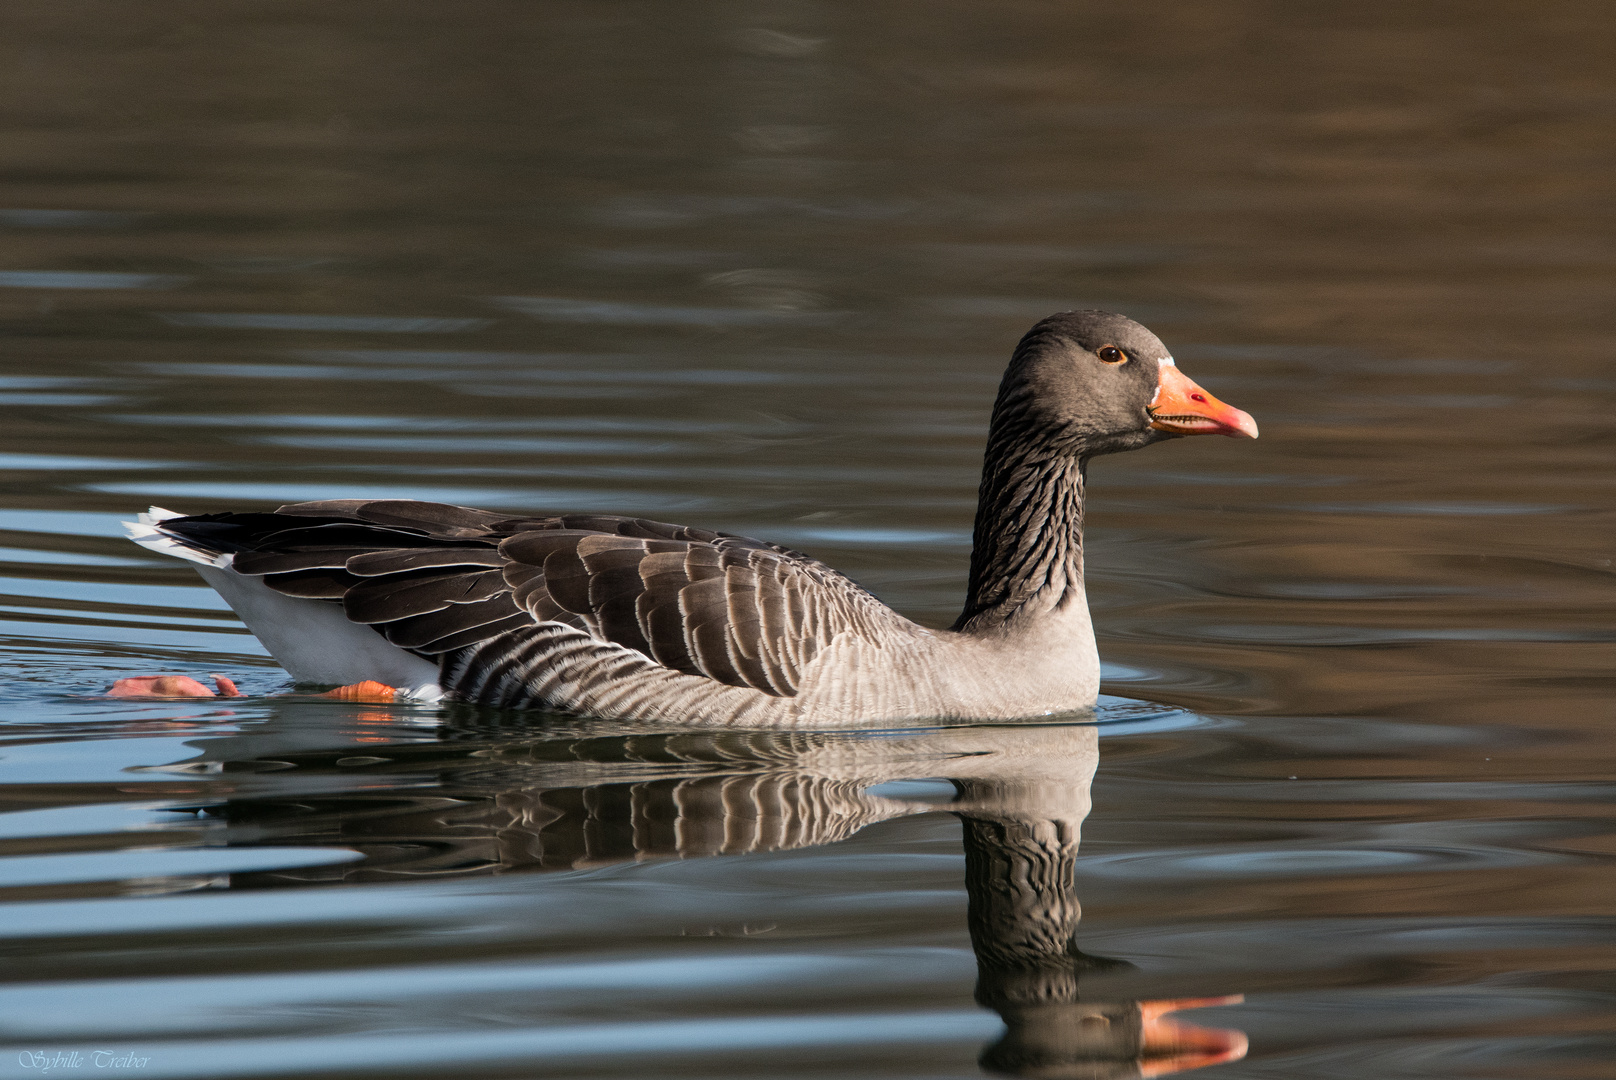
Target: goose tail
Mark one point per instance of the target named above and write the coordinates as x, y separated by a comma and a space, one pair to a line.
147, 531
312, 639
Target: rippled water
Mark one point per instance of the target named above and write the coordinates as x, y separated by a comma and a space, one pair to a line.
757, 267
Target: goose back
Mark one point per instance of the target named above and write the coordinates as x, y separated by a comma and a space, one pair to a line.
540, 610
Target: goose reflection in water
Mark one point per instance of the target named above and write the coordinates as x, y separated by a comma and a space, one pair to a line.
564, 801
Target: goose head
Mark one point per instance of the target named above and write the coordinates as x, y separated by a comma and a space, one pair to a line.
1093, 382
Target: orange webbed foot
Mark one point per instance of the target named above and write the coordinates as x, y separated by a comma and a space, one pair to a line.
171, 686
368, 691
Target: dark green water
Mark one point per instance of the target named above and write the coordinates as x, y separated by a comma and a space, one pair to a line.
757, 267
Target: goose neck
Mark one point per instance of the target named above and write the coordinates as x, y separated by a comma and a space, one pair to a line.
1027, 552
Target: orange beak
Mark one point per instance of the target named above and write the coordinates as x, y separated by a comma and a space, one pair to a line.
1182, 408
1172, 1046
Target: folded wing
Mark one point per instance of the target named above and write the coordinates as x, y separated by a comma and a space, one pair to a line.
437, 580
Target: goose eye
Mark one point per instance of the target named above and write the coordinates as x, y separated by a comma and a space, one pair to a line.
1111, 354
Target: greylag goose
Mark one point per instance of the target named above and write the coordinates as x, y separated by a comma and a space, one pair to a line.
634, 619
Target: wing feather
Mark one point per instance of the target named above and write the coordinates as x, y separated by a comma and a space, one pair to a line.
477, 635
254, 563
388, 599
566, 579
379, 563
321, 583
447, 580
615, 586
424, 631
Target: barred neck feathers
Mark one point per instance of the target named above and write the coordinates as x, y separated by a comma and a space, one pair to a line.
1027, 554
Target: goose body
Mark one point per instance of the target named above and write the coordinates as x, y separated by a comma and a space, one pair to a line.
631, 618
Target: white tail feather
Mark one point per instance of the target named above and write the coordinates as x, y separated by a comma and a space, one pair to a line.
147, 532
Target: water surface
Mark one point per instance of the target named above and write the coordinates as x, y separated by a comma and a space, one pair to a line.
757, 268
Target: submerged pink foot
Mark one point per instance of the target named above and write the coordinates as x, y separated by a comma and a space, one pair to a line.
169, 686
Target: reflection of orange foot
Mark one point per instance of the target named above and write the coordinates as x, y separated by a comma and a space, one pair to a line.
1170, 1046
363, 691
171, 686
